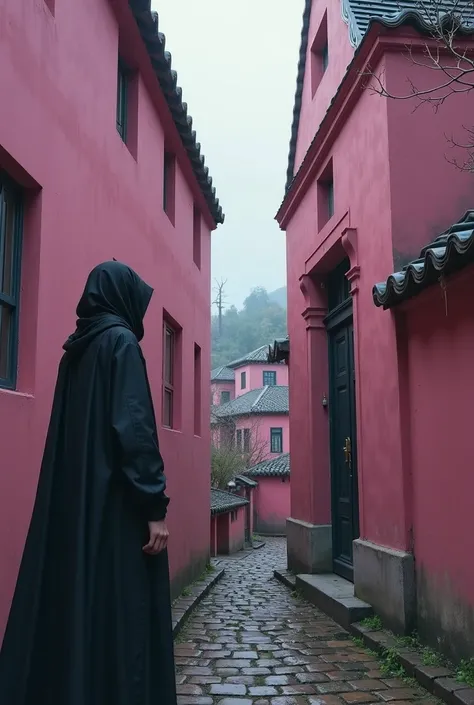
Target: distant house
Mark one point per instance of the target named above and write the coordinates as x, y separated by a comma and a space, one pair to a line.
272, 500
253, 416
228, 520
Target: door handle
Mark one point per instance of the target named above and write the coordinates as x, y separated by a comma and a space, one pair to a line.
347, 448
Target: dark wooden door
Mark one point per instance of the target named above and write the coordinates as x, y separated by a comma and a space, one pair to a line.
345, 505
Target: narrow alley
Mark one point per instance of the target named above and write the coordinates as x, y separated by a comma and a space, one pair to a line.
251, 642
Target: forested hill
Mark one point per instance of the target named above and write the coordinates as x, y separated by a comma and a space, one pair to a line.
258, 323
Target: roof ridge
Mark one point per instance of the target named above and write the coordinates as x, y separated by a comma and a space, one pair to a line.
259, 396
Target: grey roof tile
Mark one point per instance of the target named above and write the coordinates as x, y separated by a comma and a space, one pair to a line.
242, 480
274, 467
154, 40
222, 501
266, 400
222, 374
279, 351
258, 356
359, 14
451, 251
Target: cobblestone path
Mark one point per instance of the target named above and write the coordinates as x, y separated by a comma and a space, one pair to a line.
251, 642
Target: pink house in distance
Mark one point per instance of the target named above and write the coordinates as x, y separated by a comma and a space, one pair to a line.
252, 413
98, 159
381, 401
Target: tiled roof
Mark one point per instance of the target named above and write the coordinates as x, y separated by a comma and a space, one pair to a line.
222, 501
258, 356
359, 14
222, 374
279, 351
451, 251
266, 400
242, 480
154, 40
275, 467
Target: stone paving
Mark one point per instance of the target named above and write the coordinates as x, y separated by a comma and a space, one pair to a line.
251, 642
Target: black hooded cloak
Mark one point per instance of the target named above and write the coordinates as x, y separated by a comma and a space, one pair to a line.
90, 622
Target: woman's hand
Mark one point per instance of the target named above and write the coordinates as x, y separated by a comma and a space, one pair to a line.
159, 535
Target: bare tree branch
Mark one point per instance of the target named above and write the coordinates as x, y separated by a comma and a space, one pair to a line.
445, 53
227, 458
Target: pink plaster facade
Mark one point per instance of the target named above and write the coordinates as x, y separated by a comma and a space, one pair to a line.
272, 505
394, 191
90, 198
437, 392
259, 426
254, 377
216, 392
228, 532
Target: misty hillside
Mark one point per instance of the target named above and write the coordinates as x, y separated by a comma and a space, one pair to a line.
278, 296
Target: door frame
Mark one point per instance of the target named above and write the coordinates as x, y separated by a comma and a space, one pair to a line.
339, 317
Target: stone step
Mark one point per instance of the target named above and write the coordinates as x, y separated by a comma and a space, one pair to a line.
334, 596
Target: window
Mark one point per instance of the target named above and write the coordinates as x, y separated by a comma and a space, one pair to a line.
319, 55
326, 206
169, 364
243, 380
225, 397
11, 226
122, 100
50, 5
233, 516
169, 180
276, 440
197, 237
197, 390
246, 440
269, 379
238, 436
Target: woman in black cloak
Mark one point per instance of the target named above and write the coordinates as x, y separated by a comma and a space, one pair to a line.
90, 622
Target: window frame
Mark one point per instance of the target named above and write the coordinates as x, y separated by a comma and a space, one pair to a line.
276, 433
169, 185
246, 441
121, 112
238, 439
243, 380
225, 391
273, 376
169, 386
11, 301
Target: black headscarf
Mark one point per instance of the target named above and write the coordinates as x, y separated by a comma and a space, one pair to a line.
114, 295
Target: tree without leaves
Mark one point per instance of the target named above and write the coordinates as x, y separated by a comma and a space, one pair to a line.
227, 459
447, 55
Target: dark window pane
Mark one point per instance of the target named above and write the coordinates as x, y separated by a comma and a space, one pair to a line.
225, 397
269, 379
276, 440
168, 408
169, 356
239, 439
7, 235
246, 440
122, 101
5, 341
243, 380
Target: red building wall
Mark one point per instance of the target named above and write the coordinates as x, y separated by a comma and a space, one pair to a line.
90, 199
271, 505
438, 347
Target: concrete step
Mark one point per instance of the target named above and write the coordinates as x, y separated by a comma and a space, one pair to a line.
286, 577
334, 596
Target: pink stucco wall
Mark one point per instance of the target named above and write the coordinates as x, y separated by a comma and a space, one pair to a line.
217, 388
254, 377
260, 426
227, 535
386, 171
89, 200
438, 354
272, 505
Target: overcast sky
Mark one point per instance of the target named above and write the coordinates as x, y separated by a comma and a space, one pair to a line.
236, 64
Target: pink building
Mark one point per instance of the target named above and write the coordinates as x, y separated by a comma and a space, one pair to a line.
272, 498
379, 401
228, 522
253, 414
98, 159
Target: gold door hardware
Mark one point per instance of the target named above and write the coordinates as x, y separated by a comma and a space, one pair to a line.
348, 452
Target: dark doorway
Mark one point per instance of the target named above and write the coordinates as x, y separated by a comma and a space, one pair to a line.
342, 421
